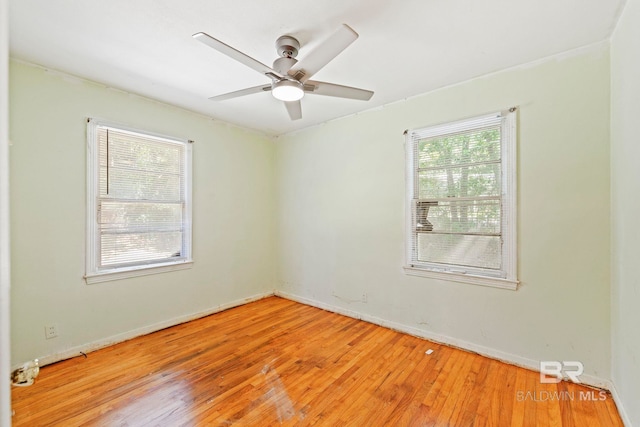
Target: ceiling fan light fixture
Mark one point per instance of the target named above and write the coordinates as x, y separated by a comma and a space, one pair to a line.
289, 78
287, 90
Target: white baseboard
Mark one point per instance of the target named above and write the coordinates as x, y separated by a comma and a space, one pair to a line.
509, 358
623, 413
114, 339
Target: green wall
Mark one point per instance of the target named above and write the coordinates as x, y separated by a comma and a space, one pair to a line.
233, 217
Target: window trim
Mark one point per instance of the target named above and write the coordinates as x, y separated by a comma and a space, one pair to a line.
509, 198
92, 273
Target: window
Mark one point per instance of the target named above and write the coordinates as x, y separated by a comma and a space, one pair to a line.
461, 201
139, 203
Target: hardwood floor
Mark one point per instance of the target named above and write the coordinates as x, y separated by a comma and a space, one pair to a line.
277, 362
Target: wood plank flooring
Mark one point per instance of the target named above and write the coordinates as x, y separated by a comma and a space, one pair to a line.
277, 362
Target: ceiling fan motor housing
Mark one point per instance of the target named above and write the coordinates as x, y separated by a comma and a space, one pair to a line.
284, 64
287, 46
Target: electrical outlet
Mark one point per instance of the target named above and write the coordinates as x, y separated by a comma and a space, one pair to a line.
364, 297
50, 331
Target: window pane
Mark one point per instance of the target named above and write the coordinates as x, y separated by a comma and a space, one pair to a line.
480, 145
137, 167
119, 216
143, 185
126, 248
466, 181
138, 152
462, 250
472, 216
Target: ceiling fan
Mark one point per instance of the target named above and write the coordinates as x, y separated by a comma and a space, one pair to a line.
290, 78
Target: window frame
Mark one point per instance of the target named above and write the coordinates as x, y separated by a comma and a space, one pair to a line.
506, 277
96, 274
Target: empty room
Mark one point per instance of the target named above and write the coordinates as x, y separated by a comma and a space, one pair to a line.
336, 213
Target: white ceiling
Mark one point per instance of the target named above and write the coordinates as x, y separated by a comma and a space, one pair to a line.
406, 47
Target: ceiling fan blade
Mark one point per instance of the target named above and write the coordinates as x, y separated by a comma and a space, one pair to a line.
324, 53
235, 54
294, 109
243, 92
330, 89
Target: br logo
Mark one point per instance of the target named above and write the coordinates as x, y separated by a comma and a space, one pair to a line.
552, 371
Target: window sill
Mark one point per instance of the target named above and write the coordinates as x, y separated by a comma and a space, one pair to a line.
126, 273
493, 282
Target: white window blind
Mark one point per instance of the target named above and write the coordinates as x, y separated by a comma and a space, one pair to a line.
140, 200
461, 197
